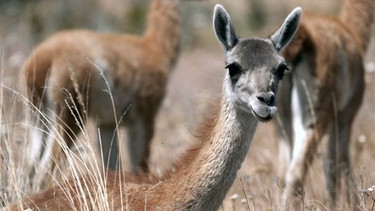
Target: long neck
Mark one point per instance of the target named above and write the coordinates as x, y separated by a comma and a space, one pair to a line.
357, 15
204, 182
163, 29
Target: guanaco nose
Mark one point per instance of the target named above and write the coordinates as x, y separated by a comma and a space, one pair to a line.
267, 98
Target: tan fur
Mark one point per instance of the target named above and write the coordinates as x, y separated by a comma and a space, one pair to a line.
206, 172
327, 55
70, 67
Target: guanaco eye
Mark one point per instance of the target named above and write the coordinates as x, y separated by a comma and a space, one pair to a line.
280, 72
234, 71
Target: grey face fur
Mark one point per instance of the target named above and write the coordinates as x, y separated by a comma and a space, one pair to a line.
254, 65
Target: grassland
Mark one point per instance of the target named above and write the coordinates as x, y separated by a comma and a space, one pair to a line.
194, 85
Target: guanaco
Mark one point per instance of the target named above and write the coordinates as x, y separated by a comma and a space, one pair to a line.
111, 78
205, 173
322, 96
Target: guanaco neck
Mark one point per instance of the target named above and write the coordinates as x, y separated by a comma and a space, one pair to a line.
163, 29
204, 182
357, 16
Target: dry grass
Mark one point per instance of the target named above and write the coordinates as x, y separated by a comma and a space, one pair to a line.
195, 83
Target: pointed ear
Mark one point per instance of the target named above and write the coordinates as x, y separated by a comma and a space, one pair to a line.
287, 30
223, 28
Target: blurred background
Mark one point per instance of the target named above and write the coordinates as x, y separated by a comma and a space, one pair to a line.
194, 85
25, 23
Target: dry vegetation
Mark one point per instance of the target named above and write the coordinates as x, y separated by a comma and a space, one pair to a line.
195, 83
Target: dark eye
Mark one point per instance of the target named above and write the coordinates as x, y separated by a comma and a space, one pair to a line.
234, 71
280, 72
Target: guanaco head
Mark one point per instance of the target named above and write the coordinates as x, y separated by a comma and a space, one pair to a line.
254, 65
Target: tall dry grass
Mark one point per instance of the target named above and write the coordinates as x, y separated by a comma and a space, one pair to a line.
21, 177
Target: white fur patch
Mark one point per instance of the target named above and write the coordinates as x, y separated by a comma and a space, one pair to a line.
36, 145
299, 131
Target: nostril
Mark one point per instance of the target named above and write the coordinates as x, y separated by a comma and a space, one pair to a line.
261, 98
267, 98
272, 100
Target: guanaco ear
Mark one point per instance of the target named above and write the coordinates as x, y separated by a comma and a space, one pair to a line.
223, 28
287, 30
